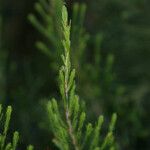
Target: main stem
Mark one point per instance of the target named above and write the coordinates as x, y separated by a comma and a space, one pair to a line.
70, 130
68, 120
67, 66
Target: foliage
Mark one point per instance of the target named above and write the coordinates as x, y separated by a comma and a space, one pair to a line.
125, 27
67, 126
99, 68
101, 77
3, 136
117, 51
48, 21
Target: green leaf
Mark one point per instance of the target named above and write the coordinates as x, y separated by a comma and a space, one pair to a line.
15, 140
64, 15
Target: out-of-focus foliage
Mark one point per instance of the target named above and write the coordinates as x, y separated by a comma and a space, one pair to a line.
125, 26
112, 64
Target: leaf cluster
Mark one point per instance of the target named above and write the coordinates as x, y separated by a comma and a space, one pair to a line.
69, 126
5, 120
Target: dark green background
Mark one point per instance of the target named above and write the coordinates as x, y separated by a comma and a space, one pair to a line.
26, 78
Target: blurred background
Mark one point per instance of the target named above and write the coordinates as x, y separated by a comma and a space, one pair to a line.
110, 51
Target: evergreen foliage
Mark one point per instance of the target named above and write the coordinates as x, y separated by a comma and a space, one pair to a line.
48, 21
125, 33
105, 90
98, 73
50, 25
68, 123
5, 121
102, 77
125, 27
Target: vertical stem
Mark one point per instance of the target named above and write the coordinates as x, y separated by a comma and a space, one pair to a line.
67, 66
74, 141
68, 120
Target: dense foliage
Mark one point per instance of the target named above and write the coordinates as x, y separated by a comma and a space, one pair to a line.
110, 54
